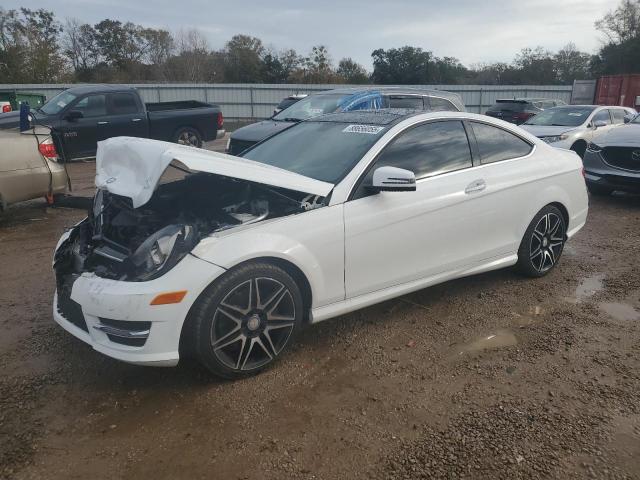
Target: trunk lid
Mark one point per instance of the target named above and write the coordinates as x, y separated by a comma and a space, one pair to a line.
132, 167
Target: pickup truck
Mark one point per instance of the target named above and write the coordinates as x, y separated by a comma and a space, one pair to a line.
81, 116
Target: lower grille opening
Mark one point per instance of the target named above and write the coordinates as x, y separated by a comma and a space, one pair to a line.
124, 332
72, 312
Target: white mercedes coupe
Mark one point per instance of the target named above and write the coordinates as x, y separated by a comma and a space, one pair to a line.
191, 252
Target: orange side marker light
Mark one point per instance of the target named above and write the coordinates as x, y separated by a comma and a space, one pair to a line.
168, 298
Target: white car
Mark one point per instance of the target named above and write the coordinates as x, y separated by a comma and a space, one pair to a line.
331, 215
573, 126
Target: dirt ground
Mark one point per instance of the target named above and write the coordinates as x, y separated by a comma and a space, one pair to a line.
492, 376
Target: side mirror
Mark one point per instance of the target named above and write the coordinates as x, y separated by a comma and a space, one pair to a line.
599, 123
392, 179
628, 118
73, 115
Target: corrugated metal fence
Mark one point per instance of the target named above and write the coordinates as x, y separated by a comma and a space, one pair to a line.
242, 102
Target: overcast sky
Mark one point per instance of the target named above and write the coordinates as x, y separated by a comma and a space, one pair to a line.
471, 30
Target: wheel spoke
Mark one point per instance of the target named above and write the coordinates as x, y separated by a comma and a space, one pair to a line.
265, 305
237, 308
245, 352
231, 337
535, 253
230, 312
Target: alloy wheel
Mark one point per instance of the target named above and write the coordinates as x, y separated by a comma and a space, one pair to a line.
188, 138
252, 323
547, 241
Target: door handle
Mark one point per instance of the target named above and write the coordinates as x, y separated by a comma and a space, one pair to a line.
136, 119
103, 123
475, 186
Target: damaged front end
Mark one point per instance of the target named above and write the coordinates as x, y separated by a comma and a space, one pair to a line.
117, 241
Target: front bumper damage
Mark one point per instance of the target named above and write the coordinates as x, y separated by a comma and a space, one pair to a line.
116, 317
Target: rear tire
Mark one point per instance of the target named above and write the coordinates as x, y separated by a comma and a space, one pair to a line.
543, 242
188, 136
245, 320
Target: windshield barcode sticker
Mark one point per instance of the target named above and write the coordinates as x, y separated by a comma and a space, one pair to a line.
370, 129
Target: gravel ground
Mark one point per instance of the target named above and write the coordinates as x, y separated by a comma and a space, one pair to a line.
492, 376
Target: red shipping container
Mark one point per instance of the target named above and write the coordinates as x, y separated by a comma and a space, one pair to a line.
622, 90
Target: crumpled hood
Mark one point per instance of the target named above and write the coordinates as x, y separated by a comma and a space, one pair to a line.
623, 136
257, 132
131, 167
546, 131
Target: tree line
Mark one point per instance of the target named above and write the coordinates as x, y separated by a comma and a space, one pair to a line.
35, 47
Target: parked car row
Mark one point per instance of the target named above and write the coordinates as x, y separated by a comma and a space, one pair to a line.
343, 100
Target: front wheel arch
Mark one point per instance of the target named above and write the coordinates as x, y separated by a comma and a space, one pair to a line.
186, 338
580, 147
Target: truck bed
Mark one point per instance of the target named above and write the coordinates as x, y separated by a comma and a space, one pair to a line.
179, 105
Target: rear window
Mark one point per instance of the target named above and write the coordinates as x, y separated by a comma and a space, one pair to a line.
441, 104
508, 106
123, 103
406, 102
496, 144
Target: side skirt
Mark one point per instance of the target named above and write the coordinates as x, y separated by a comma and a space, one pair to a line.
340, 308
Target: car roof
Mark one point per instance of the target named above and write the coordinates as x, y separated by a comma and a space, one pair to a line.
390, 90
83, 89
382, 116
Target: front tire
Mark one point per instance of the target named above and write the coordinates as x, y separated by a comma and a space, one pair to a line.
543, 242
188, 136
246, 319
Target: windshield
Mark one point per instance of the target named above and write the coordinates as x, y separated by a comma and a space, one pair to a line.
57, 103
311, 107
561, 117
321, 150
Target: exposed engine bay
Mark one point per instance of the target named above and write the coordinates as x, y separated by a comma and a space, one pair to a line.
119, 242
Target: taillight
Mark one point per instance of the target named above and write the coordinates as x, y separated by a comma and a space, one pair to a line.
523, 116
6, 108
220, 120
48, 149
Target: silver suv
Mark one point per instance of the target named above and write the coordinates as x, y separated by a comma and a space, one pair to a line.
612, 160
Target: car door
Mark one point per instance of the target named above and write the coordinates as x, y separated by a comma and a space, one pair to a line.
512, 177
393, 238
603, 115
126, 117
80, 134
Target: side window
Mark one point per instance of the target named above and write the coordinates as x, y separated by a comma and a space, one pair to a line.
618, 115
496, 144
603, 116
440, 104
92, 106
122, 104
427, 150
414, 102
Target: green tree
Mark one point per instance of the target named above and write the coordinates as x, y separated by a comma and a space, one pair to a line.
29, 47
406, 65
243, 59
572, 64
621, 54
350, 71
